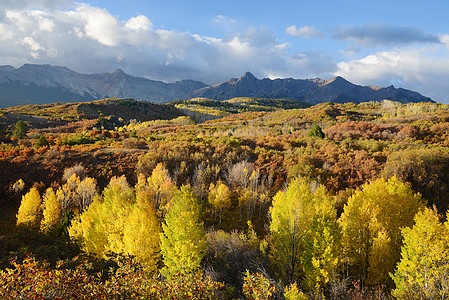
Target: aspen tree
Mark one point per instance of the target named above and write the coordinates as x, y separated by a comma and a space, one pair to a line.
219, 198
183, 241
423, 271
305, 234
141, 233
371, 223
51, 211
29, 213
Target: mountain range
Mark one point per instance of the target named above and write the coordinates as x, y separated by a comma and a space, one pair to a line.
41, 84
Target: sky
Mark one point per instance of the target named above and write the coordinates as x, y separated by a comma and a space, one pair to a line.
383, 43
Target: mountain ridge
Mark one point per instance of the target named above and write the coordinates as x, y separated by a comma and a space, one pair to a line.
40, 84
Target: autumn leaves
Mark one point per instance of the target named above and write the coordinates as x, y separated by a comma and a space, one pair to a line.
385, 236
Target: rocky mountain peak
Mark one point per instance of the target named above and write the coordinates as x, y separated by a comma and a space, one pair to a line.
248, 76
337, 81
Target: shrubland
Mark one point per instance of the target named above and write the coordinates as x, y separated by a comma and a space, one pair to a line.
271, 201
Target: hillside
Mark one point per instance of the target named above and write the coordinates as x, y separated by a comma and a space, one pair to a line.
203, 109
43, 84
126, 109
89, 183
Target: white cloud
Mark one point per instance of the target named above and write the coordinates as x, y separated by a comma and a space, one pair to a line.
424, 69
305, 31
139, 23
220, 19
99, 25
92, 40
30, 43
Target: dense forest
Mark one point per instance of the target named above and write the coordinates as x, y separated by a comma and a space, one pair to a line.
241, 199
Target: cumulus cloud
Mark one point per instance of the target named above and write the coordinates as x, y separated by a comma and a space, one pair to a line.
99, 25
305, 31
91, 40
424, 69
380, 34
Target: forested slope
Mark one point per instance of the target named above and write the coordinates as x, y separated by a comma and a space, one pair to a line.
303, 202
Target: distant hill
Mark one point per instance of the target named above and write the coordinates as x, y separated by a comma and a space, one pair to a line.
41, 84
203, 109
54, 113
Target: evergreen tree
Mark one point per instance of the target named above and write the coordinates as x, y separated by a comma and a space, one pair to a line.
20, 129
41, 142
316, 132
183, 241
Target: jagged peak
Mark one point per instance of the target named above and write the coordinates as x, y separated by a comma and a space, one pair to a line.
337, 80
248, 75
374, 87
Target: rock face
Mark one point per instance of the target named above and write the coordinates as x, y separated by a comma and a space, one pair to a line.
308, 90
39, 84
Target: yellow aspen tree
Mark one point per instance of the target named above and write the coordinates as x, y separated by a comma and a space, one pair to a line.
321, 258
118, 198
101, 226
87, 229
51, 210
305, 234
18, 187
161, 187
141, 233
245, 198
29, 213
219, 198
290, 218
423, 271
292, 292
371, 223
183, 241
67, 196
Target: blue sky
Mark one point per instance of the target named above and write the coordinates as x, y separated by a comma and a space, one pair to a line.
404, 43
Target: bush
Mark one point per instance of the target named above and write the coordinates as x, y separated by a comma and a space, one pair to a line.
78, 140
41, 142
316, 131
20, 130
257, 286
